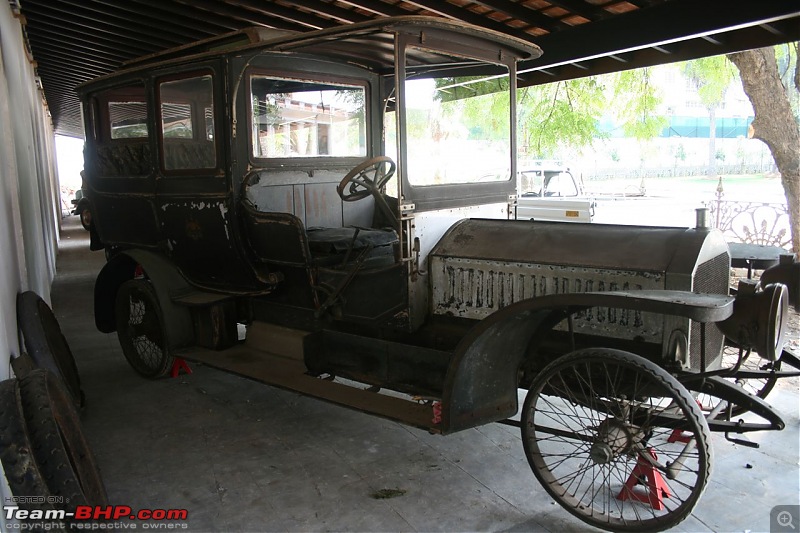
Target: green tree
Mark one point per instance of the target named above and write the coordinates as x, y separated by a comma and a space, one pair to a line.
775, 122
559, 115
636, 102
711, 76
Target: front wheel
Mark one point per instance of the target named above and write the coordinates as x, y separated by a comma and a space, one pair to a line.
140, 328
616, 440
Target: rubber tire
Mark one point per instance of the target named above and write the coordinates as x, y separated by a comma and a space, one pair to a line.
659, 377
142, 290
46, 344
61, 451
83, 216
16, 451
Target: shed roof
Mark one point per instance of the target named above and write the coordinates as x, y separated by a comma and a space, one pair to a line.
73, 41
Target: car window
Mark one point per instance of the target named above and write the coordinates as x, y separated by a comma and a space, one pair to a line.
530, 182
127, 113
304, 118
187, 123
119, 117
560, 184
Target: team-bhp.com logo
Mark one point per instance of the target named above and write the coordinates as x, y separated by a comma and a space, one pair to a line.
94, 517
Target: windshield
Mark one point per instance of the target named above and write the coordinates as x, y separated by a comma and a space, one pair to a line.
457, 130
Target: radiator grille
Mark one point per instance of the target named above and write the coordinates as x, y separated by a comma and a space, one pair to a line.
711, 278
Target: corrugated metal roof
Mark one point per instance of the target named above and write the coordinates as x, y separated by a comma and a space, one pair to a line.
73, 41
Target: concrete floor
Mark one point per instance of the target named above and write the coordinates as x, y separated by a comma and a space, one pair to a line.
242, 456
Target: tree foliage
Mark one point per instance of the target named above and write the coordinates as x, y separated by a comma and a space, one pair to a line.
712, 76
558, 115
636, 101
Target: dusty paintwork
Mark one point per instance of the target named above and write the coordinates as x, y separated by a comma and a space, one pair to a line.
239, 187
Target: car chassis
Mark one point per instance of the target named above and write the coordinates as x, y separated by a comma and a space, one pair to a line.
243, 182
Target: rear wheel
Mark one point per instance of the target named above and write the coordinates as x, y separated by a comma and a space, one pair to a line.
140, 328
599, 431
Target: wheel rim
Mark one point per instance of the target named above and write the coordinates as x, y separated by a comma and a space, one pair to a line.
589, 420
143, 340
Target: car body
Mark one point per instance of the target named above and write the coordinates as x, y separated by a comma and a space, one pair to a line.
328, 191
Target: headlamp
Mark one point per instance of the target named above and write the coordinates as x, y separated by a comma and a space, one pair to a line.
759, 319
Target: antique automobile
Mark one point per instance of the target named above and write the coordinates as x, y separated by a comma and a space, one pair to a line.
82, 208
326, 192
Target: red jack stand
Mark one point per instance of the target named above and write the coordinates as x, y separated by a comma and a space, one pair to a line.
679, 436
178, 365
437, 413
645, 473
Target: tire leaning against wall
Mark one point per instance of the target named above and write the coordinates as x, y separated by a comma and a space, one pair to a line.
16, 451
45, 343
59, 446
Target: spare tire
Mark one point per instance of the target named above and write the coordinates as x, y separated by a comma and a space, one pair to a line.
16, 452
46, 344
62, 453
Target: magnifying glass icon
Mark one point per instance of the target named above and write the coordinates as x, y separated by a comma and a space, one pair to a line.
784, 519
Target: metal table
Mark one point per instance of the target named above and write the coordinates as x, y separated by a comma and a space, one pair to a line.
754, 256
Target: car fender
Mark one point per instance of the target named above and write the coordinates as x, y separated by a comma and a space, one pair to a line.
166, 280
482, 379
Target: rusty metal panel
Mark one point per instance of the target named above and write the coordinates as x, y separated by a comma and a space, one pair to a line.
476, 288
482, 266
323, 206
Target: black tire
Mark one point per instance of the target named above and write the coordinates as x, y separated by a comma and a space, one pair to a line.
86, 218
140, 328
16, 451
46, 344
62, 453
591, 416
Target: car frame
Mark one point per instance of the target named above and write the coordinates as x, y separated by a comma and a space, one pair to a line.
243, 182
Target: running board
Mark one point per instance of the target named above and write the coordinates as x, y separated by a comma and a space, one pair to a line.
291, 375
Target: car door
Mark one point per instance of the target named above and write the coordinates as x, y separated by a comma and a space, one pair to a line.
119, 165
192, 187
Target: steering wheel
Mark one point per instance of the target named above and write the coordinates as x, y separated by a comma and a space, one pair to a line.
366, 179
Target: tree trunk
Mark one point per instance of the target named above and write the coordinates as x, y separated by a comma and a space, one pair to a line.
774, 124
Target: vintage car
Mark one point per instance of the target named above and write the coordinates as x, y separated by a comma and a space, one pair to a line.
327, 192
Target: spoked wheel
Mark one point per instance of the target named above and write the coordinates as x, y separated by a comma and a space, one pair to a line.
140, 329
597, 427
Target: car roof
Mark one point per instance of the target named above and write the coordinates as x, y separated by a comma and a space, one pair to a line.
369, 44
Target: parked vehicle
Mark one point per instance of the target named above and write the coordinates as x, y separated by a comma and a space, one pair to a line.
82, 208
548, 191
328, 191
